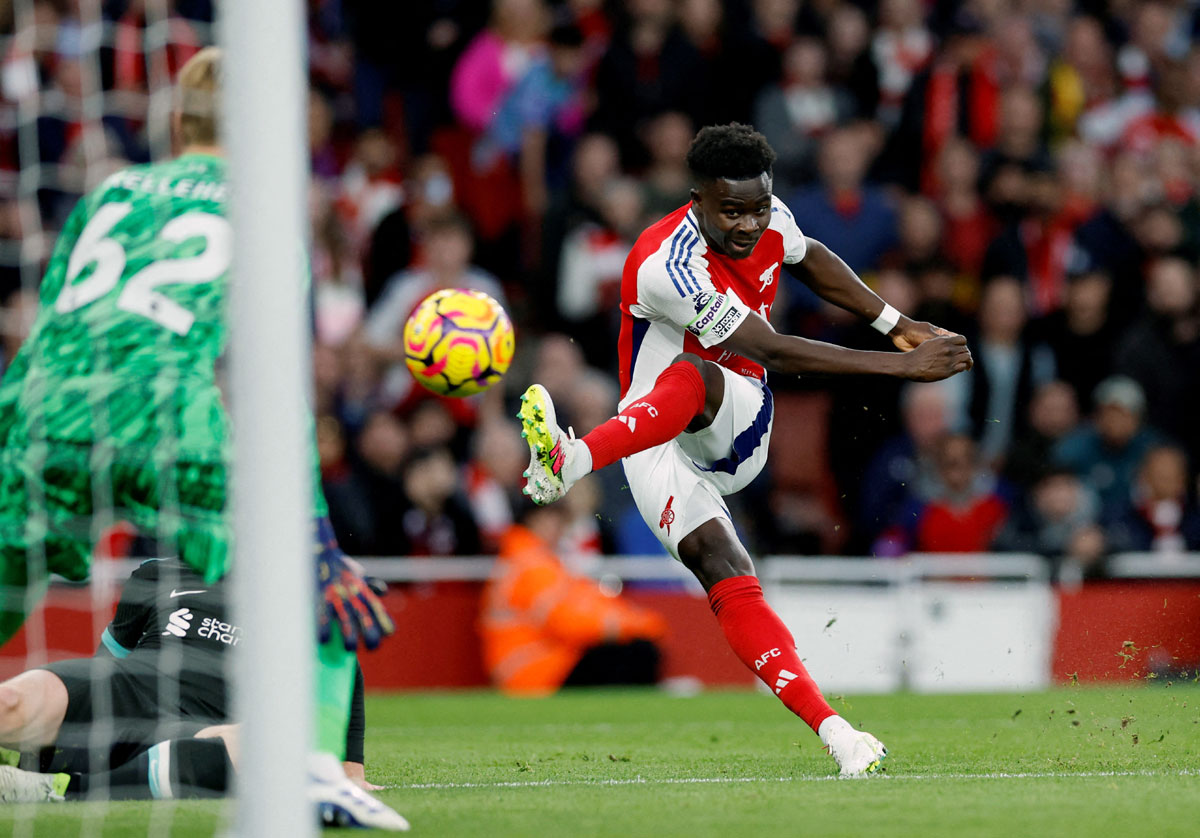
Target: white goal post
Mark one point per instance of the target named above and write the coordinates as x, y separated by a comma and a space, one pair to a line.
273, 578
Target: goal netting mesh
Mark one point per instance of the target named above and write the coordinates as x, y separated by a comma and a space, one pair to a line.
85, 90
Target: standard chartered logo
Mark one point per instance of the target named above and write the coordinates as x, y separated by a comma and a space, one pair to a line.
214, 629
179, 622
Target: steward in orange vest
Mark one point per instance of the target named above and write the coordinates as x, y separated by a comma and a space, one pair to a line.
544, 628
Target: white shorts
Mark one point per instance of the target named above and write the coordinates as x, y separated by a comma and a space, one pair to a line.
678, 485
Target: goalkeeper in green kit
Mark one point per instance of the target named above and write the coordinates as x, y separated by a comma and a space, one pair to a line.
111, 410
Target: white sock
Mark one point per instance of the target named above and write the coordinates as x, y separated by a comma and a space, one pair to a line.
579, 462
832, 726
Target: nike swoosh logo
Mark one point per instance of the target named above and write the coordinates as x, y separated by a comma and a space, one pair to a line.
175, 593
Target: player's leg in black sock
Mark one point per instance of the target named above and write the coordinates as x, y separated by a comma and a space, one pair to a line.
175, 769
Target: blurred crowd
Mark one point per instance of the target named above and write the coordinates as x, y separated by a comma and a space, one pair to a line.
1024, 172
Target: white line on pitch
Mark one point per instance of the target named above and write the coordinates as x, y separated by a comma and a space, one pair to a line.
673, 781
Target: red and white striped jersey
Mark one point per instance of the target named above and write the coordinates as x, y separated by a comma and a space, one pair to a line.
678, 296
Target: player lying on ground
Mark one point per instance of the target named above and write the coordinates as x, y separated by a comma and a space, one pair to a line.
111, 407
695, 413
147, 716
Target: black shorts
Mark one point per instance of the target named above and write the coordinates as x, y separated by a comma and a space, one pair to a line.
115, 710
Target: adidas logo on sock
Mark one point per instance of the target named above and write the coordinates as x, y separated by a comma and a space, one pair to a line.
785, 678
631, 421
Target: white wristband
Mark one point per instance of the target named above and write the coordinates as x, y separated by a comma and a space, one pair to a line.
887, 320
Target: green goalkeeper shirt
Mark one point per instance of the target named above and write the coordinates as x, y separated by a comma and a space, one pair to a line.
131, 321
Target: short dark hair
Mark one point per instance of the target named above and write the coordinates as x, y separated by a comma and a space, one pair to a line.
734, 152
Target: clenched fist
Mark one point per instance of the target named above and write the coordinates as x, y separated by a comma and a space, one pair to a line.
936, 358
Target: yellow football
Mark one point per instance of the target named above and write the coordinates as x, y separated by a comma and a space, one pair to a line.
458, 342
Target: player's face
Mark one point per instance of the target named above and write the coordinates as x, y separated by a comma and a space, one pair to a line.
733, 214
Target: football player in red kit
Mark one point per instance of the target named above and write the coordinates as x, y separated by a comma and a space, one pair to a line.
695, 414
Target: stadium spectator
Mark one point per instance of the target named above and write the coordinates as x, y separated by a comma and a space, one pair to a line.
965, 513
1083, 86
433, 520
492, 478
1173, 116
541, 111
398, 239
589, 275
665, 180
945, 294
1161, 518
1053, 414
1081, 334
1107, 452
796, 112
650, 67
851, 67
1007, 369
969, 225
595, 162
955, 96
736, 61
903, 470
857, 220
1161, 351
346, 492
381, 449
544, 627
369, 187
496, 59
902, 46
1059, 520
863, 419
919, 235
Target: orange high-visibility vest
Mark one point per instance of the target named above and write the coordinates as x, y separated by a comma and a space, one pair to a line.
538, 620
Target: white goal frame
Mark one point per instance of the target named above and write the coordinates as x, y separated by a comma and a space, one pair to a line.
273, 578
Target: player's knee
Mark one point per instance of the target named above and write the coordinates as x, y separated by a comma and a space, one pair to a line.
714, 382
712, 552
10, 699
691, 358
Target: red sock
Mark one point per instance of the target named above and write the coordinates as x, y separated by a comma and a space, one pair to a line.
762, 642
658, 417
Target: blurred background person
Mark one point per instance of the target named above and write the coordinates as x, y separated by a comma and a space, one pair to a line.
544, 627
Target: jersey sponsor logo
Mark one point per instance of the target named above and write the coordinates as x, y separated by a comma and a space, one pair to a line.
766, 656
213, 629
728, 322
179, 622
767, 277
668, 515
175, 593
714, 311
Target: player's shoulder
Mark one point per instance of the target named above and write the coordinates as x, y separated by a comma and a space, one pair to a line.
781, 216
651, 242
167, 569
783, 221
671, 250
149, 570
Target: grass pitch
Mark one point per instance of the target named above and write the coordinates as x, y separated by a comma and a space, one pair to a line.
1071, 762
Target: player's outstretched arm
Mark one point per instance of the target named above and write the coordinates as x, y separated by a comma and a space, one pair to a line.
829, 277
933, 359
